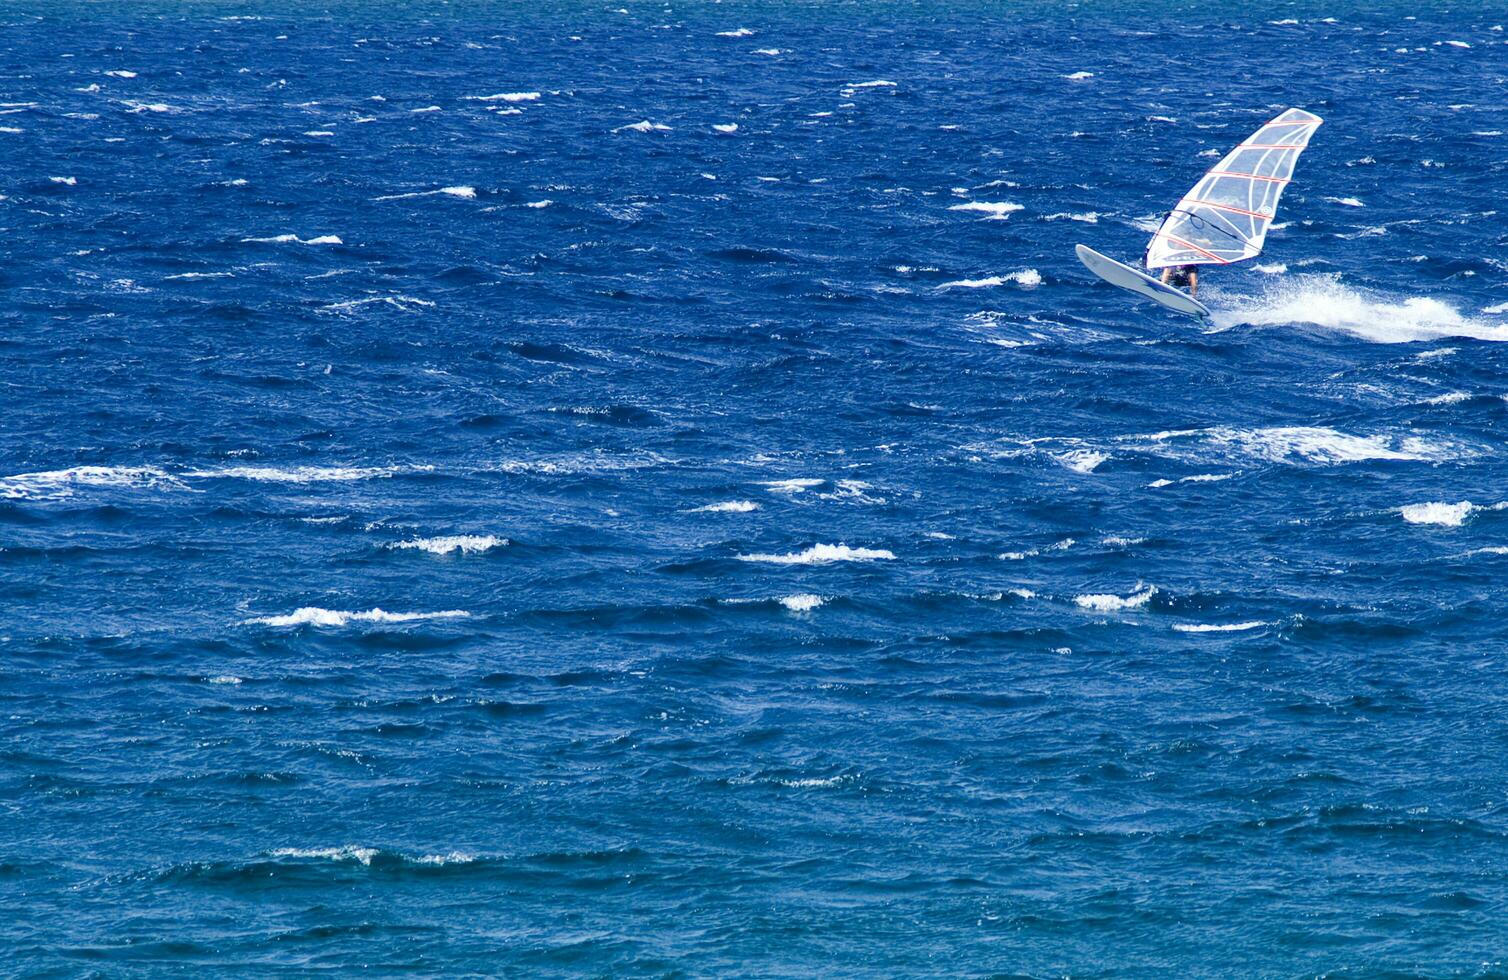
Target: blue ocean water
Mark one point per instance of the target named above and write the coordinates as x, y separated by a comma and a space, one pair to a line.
567, 488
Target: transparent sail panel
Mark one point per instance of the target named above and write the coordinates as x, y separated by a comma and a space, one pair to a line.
1224, 219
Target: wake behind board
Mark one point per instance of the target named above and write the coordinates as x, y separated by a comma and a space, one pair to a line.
1138, 282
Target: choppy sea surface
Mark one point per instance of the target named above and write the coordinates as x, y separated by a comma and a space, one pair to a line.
568, 488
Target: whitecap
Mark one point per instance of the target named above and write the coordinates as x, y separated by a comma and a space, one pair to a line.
727, 507
286, 239
1446, 515
297, 474
797, 485
546, 202
1349, 202
1082, 460
644, 126
995, 210
725, 127
464, 191
1026, 278
802, 603
466, 544
740, 32
121, 73
315, 616
1108, 602
1079, 76
61, 484
819, 554
69, 181
505, 97
1219, 627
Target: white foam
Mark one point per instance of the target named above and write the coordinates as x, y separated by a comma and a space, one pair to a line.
740, 32
727, 507
1449, 398
1079, 76
1106, 602
1196, 478
69, 181
644, 126
1349, 202
881, 83
820, 554
725, 127
994, 210
319, 132
1084, 217
428, 108
460, 190
199, 275
1496, 308
350, 852
315, 616
1026, 278
802, 603
1082, 460
466, 544
225, 679
1271, 268
768, 52
539, 204
60, 484
1219, 627
152, 107
11, 129
798, 485
1062, 545
1327, 446
121, 73
1455, 44
505, 97
297, 474
1323, 301
1446, 515
287, 239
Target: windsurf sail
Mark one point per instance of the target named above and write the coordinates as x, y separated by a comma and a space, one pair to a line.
1224, 219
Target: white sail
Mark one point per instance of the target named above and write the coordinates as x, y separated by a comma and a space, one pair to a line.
1224, 218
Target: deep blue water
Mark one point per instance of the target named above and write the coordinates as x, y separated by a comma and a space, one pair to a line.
442, 532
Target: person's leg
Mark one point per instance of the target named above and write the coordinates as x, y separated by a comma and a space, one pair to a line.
1194, 283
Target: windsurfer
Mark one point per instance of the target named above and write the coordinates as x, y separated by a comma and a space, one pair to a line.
1182, 277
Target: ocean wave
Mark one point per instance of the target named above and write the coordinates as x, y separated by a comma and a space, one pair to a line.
291, 239
366, 855
1325, 302
464, 191
303, 474
797, 485
994, 210
821, 554
726, 507
1027, 278
61, 484
466, 544
1109, 602
644, 126
1446, 515
1219, 627
316, 616
504, 97
804, 602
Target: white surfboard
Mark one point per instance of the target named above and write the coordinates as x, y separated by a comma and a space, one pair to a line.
1138, 282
